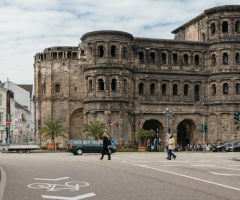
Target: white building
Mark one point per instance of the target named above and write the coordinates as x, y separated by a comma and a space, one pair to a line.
3, 111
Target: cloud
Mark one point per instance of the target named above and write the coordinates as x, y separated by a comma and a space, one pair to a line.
27, 27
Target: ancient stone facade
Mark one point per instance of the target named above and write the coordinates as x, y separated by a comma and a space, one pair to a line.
113, 76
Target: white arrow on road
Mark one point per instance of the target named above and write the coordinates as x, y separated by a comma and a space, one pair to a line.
69, 198
57, 179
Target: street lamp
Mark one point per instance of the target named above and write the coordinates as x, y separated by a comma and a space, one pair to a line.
167, 113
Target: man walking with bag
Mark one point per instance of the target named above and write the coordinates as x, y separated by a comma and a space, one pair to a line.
171, 146
105, 146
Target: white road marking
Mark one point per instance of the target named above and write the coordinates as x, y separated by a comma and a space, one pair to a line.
234, 165
221, 174
69, 198
57, 179
186, 176
203, 165
169, 165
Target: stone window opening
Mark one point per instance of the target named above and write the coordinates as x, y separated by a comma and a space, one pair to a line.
237, 88
114, 84
100, 51
113, 51
141, 57
124, 53
213, 28
164, 89
54, 55
185, 90
175, 58
237, 27
90, 85
125, 85
213, 60
91, 51
225, 58
43, 89
185, 58
196, 60
41, 57
213, 90
100, 84
57, 88
60, 55
74, 55
164, 58
175, 89
196, 90
69, 55
75, 89
140, 88
152, 56
82, 52
225, 88
237, 58
152, 88
225, 27
203, 37
45, 56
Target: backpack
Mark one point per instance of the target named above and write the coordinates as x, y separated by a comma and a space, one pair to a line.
109, 142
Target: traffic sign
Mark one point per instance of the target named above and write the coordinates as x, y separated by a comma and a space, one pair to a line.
8, 122
112, 143
111, 124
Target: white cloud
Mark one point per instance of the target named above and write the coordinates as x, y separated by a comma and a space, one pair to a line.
27, 27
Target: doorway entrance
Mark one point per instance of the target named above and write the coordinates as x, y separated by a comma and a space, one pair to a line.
156, 126
186, 133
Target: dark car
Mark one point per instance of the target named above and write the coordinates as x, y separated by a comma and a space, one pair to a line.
234, 148
224, 147
80, 146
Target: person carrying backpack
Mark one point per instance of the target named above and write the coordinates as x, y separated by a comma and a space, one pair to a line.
106, 144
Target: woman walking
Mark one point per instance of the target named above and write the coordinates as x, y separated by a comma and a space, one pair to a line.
105, 146
171, 146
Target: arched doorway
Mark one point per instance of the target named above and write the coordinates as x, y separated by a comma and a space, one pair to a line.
155, 125
186, 133
76, 124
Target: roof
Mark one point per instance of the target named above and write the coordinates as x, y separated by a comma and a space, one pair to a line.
28, 88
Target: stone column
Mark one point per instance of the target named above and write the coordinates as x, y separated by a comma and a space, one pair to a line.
218, 28
218, 88
203, 91
94, 84
181, 89
86, 87
107, 49
193, 90
203, 59
147, 89
170, 89
218, 58
232, 31
119, 54
57, 55
232, 58
207, 39
232, 88
107, 85
158, 90
136, 88
94, 52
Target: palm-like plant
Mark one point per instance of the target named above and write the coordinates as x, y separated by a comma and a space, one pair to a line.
48, 130
94, 129
142, 135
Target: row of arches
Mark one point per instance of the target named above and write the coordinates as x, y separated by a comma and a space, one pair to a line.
101, 51
225, 59
225, 89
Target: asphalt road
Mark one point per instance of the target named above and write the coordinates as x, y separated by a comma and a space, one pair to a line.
127, 176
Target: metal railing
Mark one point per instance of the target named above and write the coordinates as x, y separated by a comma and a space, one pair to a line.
24, 141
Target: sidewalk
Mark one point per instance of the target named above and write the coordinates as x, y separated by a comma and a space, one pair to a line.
38, 151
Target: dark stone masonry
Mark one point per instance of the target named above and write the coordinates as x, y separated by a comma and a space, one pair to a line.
113, 76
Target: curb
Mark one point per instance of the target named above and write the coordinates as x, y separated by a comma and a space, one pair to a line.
3, 179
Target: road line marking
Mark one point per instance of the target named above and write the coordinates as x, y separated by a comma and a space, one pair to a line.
190, 177
69, 198
57, 179
233, 165
169, 165
203, 165
221, 174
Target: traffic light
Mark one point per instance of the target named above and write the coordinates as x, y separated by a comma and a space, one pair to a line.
236, 116
206, 127
202, 127
169, 130
6, 129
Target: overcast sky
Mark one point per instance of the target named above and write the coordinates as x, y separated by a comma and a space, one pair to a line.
29, 26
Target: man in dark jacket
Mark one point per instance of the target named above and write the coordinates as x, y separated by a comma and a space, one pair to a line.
105, 146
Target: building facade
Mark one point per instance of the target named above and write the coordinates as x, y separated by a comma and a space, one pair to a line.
113, 76
3, 112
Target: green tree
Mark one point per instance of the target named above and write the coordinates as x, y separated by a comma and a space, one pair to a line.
142, 135
94, 129
48, 130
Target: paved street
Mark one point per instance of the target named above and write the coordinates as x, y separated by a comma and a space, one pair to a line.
127, 176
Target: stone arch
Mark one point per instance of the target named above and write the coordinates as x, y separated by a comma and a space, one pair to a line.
76, 124
186, 132
156, 126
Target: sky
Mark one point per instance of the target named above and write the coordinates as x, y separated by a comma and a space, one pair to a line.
28, 27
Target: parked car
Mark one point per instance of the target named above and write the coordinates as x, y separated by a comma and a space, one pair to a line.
80, 146
234, 148
224, 147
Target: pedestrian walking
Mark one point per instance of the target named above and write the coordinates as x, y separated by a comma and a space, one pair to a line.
6, 140
171, 146
167, 145
159, 144
155, 144
105, 146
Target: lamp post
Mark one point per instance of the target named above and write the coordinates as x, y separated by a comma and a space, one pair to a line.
167, 113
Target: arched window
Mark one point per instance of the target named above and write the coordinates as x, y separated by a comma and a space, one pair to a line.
225, 58
196, 60
100, 84
152, 88
225, 27
140, 88
213, 90
90, 85
237, 27
175, 58
152, 56
114, 84
164, 89
164, 58
185, 57
185, 90
213, 60
237, 88
203, 37
57, 88
43, 89
69, 55
212, 28
196, 92
237, 58
141, 57
100, 51
60, 56
225, 88
175, 89
113, 51
125, 85
0, 100
125, 53
91, 51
